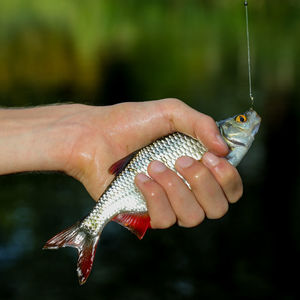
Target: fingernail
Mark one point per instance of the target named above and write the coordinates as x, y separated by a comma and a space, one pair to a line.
184, 162
142, 177
221, 141
157, 166
210, 160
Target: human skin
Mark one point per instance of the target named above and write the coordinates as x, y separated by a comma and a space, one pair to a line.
84, 141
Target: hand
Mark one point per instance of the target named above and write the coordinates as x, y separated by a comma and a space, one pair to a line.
110, 133
84, 141
214, 183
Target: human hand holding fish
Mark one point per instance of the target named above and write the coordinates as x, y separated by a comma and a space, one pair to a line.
85, 141
126, 127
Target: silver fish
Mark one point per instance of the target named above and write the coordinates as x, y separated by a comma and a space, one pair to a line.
123, 203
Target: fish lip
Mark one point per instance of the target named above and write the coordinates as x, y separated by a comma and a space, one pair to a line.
231, 140
255, 129
235, 142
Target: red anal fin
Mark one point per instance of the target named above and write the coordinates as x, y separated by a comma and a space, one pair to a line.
119, 166
136, 223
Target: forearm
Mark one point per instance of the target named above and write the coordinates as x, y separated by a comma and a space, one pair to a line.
30, 139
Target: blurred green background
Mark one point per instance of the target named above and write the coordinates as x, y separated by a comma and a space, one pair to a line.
108, 51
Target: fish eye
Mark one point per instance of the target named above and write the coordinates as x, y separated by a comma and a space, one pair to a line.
241, 119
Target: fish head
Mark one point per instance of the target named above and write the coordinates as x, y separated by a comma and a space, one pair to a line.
239, 132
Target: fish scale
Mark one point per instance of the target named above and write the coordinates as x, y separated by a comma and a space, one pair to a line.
122, 201
167, 150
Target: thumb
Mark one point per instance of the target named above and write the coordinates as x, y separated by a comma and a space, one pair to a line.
187, 120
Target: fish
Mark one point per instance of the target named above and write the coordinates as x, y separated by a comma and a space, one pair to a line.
123, 203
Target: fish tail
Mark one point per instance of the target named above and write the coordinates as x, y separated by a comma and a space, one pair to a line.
85, 243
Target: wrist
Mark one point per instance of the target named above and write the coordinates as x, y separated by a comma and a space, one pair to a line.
37, 138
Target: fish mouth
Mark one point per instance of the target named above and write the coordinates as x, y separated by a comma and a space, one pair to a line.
255, 129
235, 142
231, 141
239, 143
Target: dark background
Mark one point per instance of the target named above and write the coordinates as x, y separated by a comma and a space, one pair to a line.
110, 51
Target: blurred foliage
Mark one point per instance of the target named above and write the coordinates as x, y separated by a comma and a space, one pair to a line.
52, 45
107, 51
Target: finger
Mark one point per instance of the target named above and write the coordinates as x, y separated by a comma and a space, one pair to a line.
187, 209
205, 187
226, 174
199, 125
159, 208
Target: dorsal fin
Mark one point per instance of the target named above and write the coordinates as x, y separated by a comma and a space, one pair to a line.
119, 166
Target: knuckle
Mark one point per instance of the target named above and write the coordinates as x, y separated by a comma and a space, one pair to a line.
209, 120
219, 211
151, 189
228, 174
165, 222
231, 173
193, 219
223, 209
232, 182
154, 190
173, 102
170, 184
167, 180
238, 193
170, 108
200, 175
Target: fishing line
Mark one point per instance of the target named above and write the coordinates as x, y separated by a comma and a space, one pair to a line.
249, 56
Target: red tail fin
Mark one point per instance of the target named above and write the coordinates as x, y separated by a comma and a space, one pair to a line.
85, 243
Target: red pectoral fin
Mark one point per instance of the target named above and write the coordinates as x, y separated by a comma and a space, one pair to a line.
119, 166
136, 223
